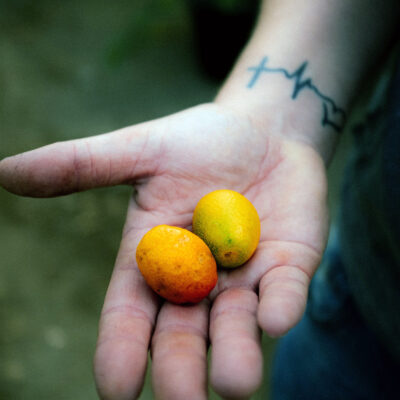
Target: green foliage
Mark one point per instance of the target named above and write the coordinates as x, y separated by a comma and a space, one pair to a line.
152, 23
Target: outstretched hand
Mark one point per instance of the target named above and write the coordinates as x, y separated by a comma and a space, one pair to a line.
172, 162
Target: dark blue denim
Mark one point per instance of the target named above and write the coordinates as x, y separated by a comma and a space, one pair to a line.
331, 354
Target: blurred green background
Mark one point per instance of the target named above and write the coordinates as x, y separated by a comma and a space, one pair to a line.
67, 70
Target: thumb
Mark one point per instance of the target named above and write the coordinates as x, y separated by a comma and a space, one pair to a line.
65, 167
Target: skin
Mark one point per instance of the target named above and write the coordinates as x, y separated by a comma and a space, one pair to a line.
175, 170
259, 142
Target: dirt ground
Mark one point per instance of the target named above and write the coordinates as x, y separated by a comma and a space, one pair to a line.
72, 69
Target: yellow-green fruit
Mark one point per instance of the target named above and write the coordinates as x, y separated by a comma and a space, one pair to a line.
230, 226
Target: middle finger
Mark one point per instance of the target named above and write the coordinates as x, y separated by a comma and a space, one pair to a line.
179, 352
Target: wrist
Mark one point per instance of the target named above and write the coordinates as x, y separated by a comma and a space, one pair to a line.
285, 102
342, 42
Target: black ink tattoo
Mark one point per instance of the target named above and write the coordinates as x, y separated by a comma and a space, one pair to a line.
332, 115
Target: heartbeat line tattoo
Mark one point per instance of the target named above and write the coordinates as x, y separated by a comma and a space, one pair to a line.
332, 115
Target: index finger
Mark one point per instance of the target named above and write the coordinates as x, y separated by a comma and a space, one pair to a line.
126, 324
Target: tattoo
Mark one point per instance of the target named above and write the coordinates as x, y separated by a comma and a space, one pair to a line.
332, 115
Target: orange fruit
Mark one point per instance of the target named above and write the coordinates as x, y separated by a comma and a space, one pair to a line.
176, 264
230, 226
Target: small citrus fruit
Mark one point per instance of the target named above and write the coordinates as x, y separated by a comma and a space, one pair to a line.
230, 226
176, 264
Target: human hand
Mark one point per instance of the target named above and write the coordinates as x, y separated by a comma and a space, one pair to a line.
172, 162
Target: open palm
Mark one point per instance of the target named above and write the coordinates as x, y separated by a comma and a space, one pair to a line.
172, 162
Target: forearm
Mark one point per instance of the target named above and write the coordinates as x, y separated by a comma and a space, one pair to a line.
305, 63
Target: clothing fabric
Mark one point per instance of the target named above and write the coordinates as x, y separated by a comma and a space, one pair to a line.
369, 227
332, 354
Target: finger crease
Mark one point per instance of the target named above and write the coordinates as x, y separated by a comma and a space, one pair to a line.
233, 310
287, 280
296, 267
130, 338
129, 311
182, 329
